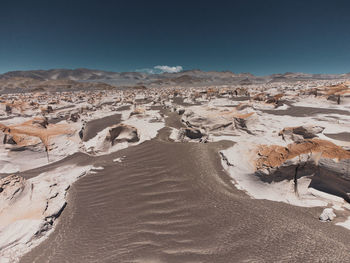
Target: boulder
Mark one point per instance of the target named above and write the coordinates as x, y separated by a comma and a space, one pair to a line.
180, 111
122, 133
186, 134
74, 117
193, 133
327, 215
300, 133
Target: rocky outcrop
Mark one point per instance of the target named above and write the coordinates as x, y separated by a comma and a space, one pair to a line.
216, 121
33, 131
326, 164
274, 156
300, 133
28, 208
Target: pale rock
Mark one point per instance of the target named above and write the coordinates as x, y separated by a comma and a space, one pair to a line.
327, 215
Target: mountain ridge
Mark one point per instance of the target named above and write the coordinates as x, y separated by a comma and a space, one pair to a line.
186, 77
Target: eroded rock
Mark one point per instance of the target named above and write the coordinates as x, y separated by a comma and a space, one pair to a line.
74, 117
10, 187
122, 133
192, 133
274, 155
327, 215
299, 133
8, 139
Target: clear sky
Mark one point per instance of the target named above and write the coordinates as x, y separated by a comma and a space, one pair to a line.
261, 37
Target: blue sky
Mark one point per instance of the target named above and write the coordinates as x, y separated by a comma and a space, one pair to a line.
261, 37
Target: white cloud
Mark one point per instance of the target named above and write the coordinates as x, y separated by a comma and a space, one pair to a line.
168, 69
161, 69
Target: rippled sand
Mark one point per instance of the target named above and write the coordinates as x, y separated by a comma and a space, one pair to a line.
172, 202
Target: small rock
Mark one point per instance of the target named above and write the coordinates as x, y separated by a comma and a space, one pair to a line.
180, 111
192, 133
74, 117
8, 109
327, 215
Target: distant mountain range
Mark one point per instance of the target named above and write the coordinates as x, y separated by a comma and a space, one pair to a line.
184, 78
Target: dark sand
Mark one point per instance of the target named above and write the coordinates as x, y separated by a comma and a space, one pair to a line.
172, 202
297, 111
125, 107
240, 98
180, 101
342, 136
95, 126
6, 118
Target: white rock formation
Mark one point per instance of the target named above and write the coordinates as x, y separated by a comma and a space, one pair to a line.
327, 215
28, 208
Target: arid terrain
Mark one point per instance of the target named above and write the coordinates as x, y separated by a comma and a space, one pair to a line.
193, 166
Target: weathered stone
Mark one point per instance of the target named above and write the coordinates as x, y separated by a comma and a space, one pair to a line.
327, 215
122, 133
